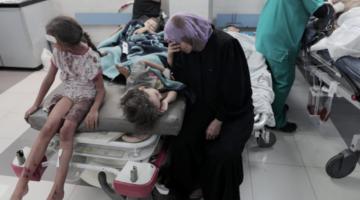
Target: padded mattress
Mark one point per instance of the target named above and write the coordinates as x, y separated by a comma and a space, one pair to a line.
347, 64
111, 116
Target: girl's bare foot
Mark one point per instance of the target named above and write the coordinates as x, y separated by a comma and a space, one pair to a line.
56, 194
20, 192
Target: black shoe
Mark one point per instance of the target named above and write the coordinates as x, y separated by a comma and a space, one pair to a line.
288, 128
286, 107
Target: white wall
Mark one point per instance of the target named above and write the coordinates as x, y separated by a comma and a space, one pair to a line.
202, 8
99, 33
237, 6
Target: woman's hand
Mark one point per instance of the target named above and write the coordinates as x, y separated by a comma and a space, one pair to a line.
91, 119
30, 111
172, 48
213, 129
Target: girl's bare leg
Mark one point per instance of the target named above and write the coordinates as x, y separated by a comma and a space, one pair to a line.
39, 147
67, 132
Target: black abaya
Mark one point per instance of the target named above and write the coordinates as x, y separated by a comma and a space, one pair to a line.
218, 80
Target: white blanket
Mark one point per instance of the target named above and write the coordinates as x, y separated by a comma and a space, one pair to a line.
345, 40
261, 81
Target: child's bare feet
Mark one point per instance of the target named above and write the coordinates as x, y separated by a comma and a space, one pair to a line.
56, 194
20, 192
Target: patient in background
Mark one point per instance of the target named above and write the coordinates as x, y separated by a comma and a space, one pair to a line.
149, 92
232, 28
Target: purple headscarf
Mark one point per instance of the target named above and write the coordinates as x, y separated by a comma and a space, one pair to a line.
184, 27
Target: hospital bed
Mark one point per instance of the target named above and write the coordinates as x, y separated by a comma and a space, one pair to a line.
101, 158
261, 84
341, 77
344, 73
333, 60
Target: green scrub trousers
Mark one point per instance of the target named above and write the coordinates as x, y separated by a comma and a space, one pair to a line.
278, 35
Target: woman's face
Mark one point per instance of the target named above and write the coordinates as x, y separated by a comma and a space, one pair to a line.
153, 94
185, 47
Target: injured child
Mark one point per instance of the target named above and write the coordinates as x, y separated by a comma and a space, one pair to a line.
149, 92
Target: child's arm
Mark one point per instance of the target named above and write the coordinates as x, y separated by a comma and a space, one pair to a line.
170, 97
154, 65
165, 71
44, 88
91, 119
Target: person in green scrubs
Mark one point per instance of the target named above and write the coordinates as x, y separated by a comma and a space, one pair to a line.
278, 35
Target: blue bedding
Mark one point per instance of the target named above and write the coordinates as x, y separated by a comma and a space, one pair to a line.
125, 48
347, 64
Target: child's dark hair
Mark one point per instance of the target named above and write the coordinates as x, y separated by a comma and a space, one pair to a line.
68, 31
138, 109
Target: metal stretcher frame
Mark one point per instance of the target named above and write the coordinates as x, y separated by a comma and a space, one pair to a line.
344, 163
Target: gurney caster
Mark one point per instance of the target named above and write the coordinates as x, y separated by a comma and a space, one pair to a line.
345, 162
342, 164
265, 138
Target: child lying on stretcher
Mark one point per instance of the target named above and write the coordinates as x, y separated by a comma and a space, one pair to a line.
149, 91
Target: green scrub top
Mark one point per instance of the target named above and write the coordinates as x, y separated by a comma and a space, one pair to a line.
281, 26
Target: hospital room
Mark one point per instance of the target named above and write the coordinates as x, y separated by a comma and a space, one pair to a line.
180, 100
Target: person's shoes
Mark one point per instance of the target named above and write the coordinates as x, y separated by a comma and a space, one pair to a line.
286, 107
289, 127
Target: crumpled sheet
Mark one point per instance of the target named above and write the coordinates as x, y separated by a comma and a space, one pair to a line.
345, 40
261, 82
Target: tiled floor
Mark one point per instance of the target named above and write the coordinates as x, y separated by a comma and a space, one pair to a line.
291, 170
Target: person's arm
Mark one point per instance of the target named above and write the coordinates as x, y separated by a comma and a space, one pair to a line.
154, 65
172, 49
44, 88
170, 97
123, 70
91, 119
165, 71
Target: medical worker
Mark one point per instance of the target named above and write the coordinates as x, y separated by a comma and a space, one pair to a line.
278, 35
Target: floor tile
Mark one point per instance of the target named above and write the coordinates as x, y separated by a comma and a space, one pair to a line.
11, 77
284, 152
87, 193
246, 189
317, 149
28, 85
37, 190
4, 144
12, 126
327, 188
280, 182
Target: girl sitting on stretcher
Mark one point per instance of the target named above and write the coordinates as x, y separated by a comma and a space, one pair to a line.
149, 91
78, 62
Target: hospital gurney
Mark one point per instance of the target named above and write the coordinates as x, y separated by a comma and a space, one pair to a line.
123, 170
263, 95
101, 158
344, 74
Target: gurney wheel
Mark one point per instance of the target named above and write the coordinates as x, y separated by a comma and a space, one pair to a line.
266, 143
107, 189
342, 164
